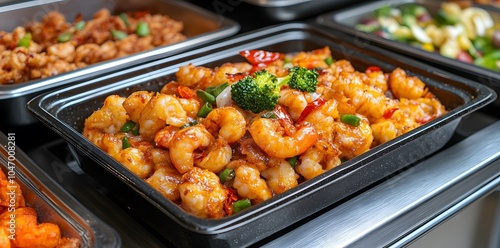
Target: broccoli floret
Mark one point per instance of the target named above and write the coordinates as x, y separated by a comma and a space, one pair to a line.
301, 79
257, 93
261, 91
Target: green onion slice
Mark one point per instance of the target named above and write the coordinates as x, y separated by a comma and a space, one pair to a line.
135, 130
80, 25
142, 29
194, 122
226, 175
118, 35
269, 115
125, 143
124, 18
205, 96
25, 41
329, 61
293, 161
350, 119
241, 204
204, 110
64, 37
127, 126
216, 90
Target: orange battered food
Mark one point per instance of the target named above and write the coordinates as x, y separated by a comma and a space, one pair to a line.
19, 226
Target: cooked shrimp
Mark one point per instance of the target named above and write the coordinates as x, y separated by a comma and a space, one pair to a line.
164, 136
220, 74
249, 184
185, 142
280, 177
191, 106
226, 122
135, 160
353, 141
109, 143
110, 118
28, 233
202, 194
166, 180
312, 59
294, 101
384, 131
323, 117
317, 159
252, 153
160, 111
269, 136
404, 86
193, 76
367, 101
160, 157
218, 154
134, 104
431, 108
341, 65
377, 80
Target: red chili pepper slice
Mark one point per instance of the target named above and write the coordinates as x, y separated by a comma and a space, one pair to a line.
228, 204
258, 57
235, 77
388, 113
285, 119
424, 120
186, 92
372, 68
310, 108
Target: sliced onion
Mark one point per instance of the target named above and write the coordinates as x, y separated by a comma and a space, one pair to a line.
224, 98
314, 95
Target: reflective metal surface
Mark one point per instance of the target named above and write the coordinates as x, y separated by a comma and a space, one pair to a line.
404, 207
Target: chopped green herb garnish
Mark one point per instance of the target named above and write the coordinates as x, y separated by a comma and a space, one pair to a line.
329, 61
118, 35
142, 29
226, 175
241, 204
204, 110
350, 119
125, 143
124, 18
216, 90
80, 25
269, 115
293, 161
64, 37
205, 96
25, 41
127, 126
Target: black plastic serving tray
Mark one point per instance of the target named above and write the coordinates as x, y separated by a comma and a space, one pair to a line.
65, 110
51, 202
346, 19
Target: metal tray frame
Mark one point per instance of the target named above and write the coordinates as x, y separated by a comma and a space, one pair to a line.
345, 20
292, 10
52, 203
200, 26
65, 110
